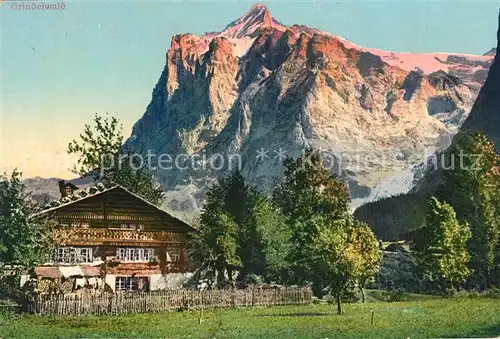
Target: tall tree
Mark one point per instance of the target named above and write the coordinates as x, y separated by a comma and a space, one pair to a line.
240, 200
272, 239
100, 153
308, 195
308, 189
363, 250
259, 232
440, 247
471, 186
344, 254
24, 241
214, 246
98, 143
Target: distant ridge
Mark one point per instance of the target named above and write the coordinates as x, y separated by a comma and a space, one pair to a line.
492, 52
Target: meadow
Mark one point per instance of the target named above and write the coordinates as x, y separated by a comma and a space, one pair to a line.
430, 317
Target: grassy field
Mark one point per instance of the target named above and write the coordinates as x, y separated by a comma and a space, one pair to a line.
414, 319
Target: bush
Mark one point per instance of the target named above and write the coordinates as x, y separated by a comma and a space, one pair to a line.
493, 293
398, 295
351, 296
389, 296
449, 292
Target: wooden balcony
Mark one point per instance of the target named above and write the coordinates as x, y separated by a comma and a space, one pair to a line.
115, 237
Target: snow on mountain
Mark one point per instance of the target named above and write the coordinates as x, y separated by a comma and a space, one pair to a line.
248, 25
399, 183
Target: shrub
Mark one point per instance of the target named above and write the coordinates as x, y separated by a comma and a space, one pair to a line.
449, 292
398, 295
493, 293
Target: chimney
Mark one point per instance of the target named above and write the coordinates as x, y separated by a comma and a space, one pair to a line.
62, 188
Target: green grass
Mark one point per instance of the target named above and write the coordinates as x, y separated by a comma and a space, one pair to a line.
379, 295
414, 319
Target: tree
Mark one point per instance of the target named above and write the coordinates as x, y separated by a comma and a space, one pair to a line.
98, 143
25, 241
273, 239
330, 261
363, 250
101, 154
308, 189
307, 196
240, 200
471, 186
440, 246
214, 246
344, 255
259, 232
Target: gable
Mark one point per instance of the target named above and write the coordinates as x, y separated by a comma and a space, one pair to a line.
114, 206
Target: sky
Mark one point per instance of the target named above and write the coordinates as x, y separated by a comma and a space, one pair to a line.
60, 67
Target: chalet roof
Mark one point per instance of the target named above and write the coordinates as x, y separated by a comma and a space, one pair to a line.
73, 186
94, 191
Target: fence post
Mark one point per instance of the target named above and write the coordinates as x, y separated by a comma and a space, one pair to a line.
110, 303
233, 303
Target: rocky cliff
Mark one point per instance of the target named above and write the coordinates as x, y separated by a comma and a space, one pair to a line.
392, 217
485, 115
259, 90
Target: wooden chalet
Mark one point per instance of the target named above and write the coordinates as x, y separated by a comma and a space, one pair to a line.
116, 236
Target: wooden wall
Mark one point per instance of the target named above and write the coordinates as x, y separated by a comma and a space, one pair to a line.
112, 208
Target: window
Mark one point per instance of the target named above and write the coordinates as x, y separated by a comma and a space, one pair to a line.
124, 284
74, 224
139, 227
135, 254
148, 254
73, 255
173, 254
128, 226
85, 254
132, 283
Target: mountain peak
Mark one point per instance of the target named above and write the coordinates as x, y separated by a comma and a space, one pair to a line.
491, 52
258, 7
258, 16
258, 13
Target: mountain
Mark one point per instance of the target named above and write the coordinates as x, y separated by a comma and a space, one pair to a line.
492, 52
47, 189
485, 114
394, 216
260, 90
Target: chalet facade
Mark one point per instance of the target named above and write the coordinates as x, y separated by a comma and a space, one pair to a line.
111, 236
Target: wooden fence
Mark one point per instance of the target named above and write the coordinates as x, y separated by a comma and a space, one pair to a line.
161, 301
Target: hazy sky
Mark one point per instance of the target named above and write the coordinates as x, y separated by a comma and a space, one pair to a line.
61, 67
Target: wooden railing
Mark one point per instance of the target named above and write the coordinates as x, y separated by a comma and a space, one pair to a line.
98, 236
162, 301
